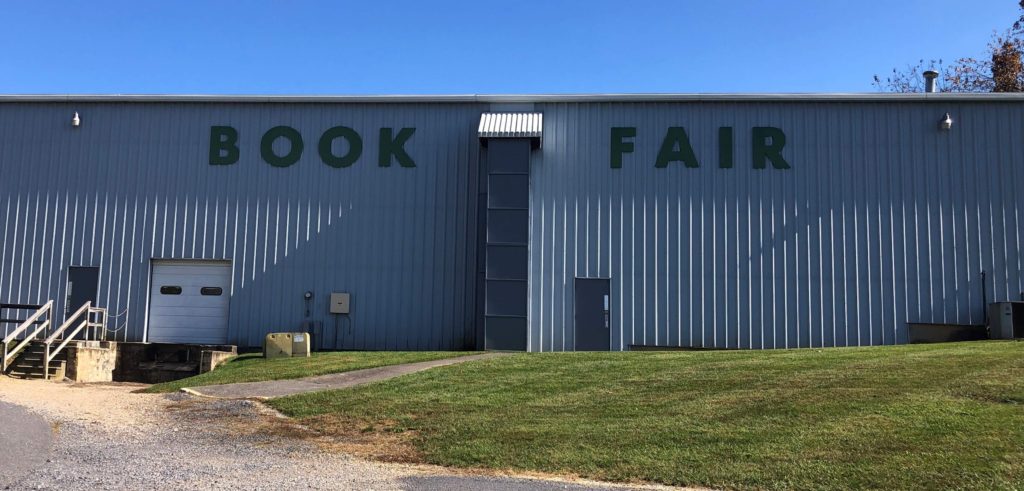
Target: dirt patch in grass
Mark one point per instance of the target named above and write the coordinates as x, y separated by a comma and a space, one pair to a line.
239, 418
383, 440
380, 440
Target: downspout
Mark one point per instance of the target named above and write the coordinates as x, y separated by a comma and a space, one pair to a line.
984, 297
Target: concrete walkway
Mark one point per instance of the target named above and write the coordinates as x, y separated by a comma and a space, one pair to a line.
280, 388
24, 443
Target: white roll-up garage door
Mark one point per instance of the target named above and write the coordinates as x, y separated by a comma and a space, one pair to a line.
189, 302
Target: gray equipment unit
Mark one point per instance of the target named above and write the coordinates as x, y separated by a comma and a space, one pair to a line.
1006, 320
340, 303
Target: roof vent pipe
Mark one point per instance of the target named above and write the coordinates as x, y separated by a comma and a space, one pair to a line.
929, 80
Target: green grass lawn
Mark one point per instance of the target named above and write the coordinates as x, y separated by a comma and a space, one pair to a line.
903, 417
254, 368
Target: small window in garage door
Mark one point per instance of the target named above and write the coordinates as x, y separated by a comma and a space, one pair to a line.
188, 302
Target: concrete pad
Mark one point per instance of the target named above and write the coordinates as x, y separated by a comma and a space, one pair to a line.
25, 441
279, 388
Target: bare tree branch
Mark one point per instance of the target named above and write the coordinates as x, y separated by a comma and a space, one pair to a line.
1000, 70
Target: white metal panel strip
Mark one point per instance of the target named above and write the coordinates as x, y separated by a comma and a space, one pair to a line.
515, 98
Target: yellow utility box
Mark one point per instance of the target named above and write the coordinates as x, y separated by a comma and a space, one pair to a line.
300, 344
286, 344
277, 345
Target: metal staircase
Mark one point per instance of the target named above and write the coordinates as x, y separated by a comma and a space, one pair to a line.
31, 363
36, 350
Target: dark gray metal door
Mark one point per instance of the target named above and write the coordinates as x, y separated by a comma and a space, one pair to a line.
593, 314
83, 282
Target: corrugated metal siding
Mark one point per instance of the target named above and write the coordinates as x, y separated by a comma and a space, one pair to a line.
133, 183
882, 219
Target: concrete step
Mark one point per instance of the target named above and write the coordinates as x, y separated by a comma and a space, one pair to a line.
33, 359
38, 357
25, 376
40, 347
56, 372
30, 367
35, 376
59, 375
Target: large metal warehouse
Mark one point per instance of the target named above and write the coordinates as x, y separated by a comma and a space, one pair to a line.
539, 223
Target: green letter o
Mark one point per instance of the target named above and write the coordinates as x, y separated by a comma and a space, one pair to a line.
355, 146
267, 146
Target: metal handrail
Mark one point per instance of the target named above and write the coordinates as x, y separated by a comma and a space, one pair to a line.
101, 326
67, 323
15, 306
9, 354
86, 322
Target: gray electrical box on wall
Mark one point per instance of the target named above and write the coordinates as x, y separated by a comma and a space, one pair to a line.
1006, 320
339, 303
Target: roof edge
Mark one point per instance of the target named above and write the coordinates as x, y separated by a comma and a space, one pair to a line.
516, 98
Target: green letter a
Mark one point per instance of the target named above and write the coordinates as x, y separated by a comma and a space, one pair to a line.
676, 137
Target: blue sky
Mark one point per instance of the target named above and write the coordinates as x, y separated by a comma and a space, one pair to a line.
460, 47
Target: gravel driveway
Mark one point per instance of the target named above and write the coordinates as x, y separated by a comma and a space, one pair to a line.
110, 438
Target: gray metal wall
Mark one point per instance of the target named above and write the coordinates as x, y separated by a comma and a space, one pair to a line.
133, 183
882, 219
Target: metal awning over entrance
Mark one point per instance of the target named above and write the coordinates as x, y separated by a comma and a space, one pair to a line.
512, 125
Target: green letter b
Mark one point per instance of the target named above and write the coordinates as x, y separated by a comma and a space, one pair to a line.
223, 145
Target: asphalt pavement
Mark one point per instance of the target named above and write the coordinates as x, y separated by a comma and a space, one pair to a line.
25, 441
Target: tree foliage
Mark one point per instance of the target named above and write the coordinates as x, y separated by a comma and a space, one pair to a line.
999, 70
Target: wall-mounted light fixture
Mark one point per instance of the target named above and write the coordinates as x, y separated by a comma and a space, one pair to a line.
75, 120
946, 123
